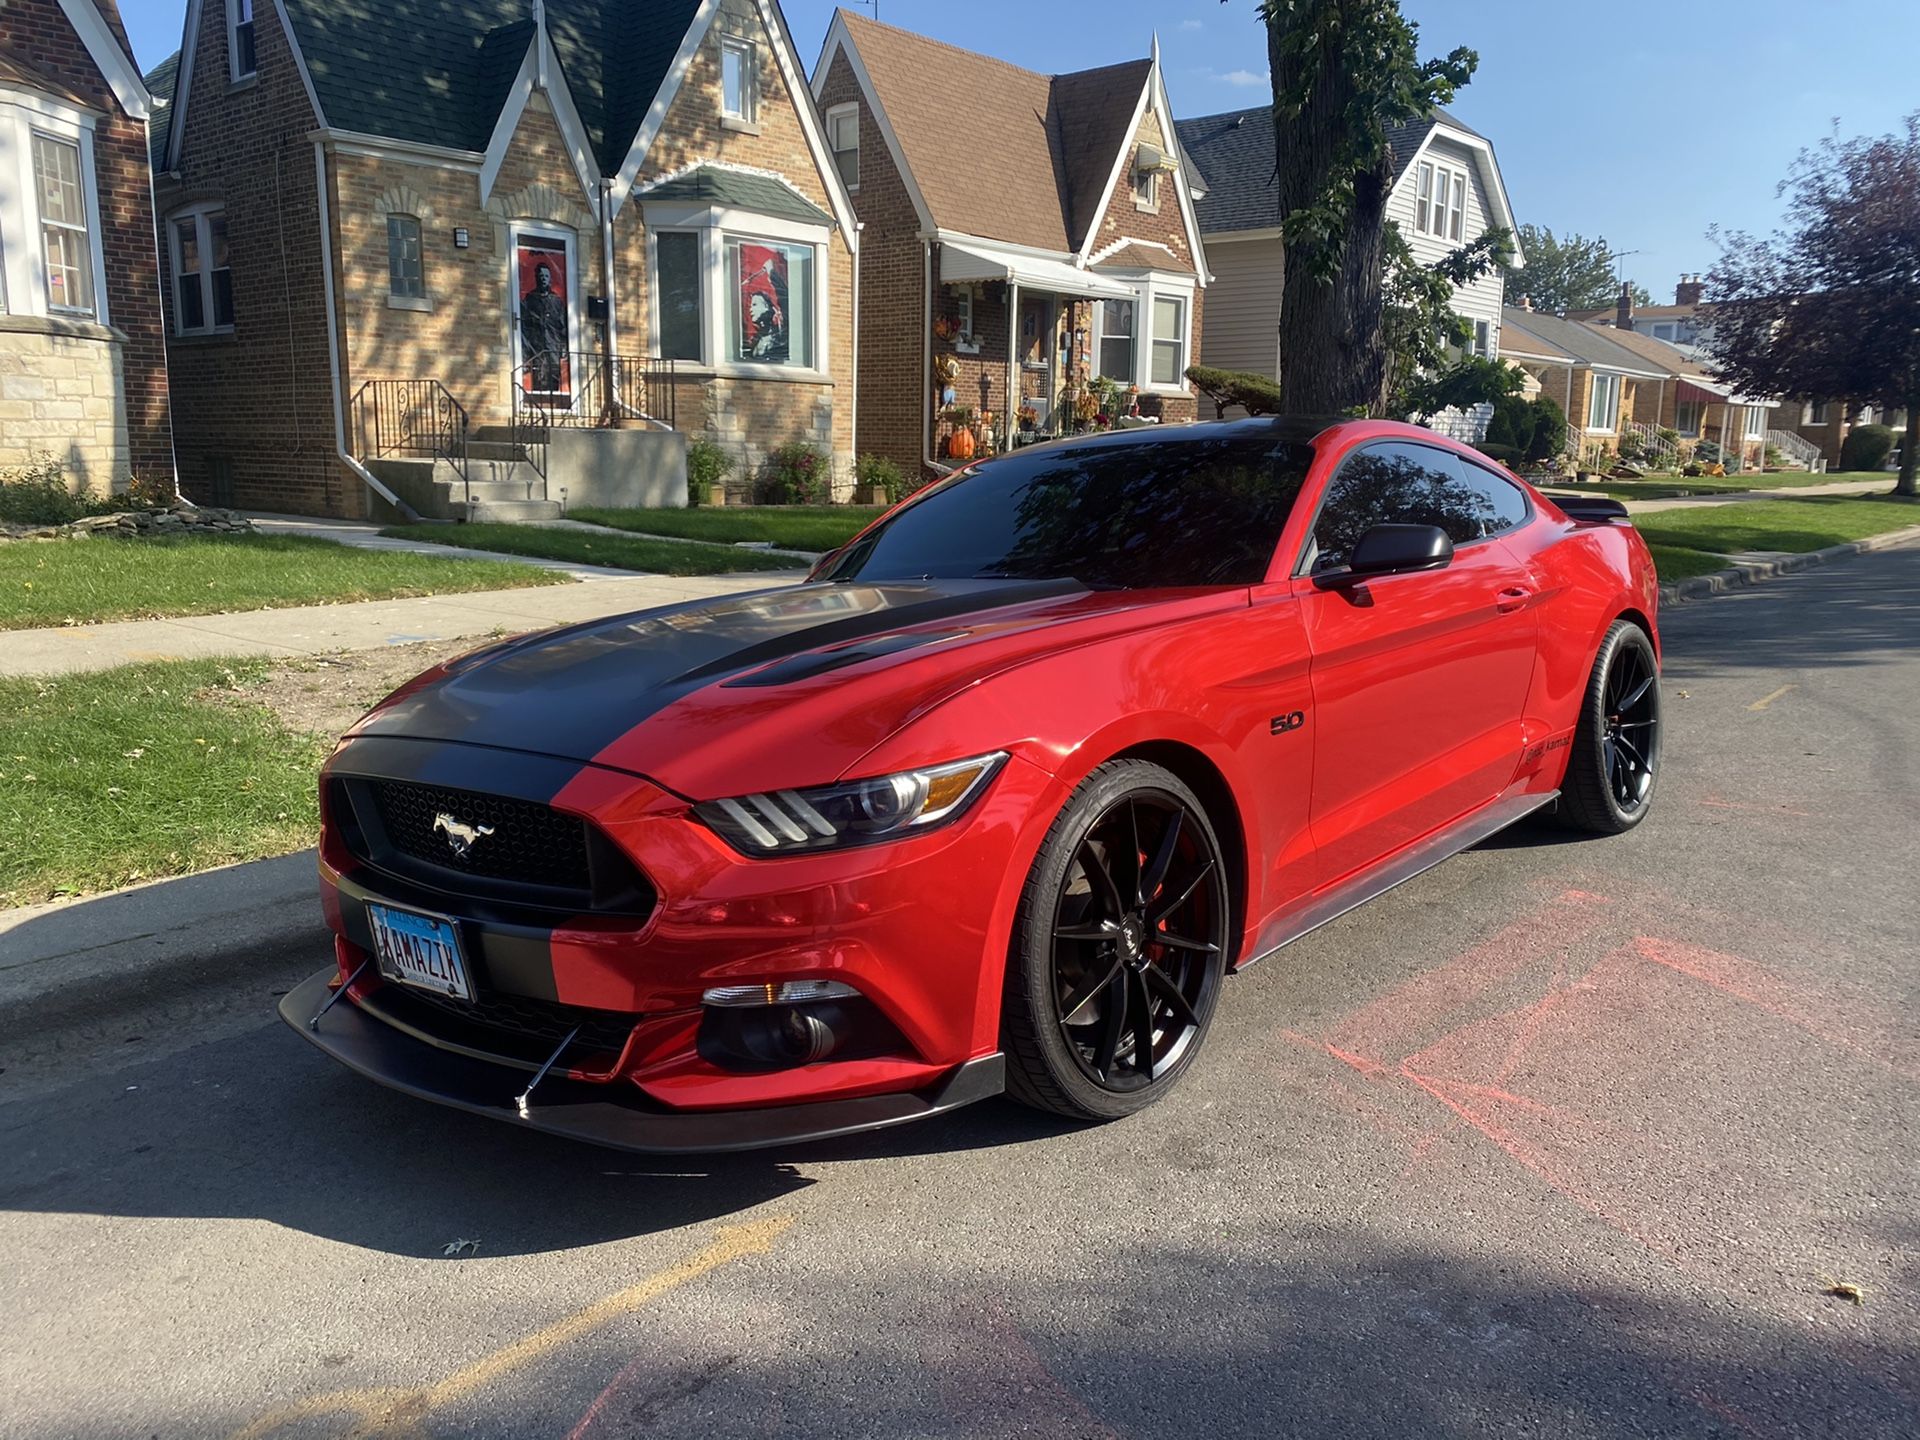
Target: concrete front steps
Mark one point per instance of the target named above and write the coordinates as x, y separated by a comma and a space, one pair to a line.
504, 487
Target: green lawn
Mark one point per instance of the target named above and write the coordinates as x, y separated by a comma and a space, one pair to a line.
1699, 541
581, 547
814, 528
80, 581
1671, 487
142, 772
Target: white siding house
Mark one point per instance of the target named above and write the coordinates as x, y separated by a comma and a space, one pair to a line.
1447, 192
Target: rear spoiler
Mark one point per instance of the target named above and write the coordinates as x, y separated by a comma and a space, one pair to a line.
1592, 508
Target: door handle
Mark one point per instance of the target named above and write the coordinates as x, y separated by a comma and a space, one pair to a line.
1514, 597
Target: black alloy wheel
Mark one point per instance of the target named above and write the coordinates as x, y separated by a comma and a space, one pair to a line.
1122, 947
1616, 749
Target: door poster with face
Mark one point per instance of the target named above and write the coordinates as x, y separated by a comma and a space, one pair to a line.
762, 280
541, 279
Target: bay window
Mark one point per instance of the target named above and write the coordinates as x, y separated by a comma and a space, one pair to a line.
740, 292
677, 281
1169, 340
1144, 340
202, 276
66, 247
1116, 340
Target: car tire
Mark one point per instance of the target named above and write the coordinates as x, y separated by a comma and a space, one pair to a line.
1615, 760
1130, 867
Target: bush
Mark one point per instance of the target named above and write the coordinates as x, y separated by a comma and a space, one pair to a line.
1255, 394
1505, 454
707, 465
37, 494
796, 474
871, 470
1708, 452
1549, 429
1867, 448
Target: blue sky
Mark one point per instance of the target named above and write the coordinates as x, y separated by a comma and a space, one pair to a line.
1663, 119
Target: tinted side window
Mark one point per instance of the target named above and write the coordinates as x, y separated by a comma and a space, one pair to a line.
1397, 484
1506, 506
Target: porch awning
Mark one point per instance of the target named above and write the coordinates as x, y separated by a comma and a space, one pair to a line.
1712, 390
967, 262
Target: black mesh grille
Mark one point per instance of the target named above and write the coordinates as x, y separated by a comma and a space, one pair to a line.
544, 1021
523, 842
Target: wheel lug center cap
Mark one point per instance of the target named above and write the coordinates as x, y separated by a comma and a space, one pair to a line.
1133, 936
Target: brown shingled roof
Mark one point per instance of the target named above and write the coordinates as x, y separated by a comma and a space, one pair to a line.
997, 151
1136, 256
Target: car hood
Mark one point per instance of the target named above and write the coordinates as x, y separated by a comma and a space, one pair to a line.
716, 696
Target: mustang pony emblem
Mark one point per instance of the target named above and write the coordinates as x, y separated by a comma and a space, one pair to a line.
460, 836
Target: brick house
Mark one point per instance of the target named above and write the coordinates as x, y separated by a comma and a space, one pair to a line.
1028, 232
513, 226
1693, 402
1447, 192
83, 364
1601, 385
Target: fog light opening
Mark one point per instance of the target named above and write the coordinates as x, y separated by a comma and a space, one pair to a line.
779, 1025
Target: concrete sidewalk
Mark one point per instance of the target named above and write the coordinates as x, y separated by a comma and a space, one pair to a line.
363, 625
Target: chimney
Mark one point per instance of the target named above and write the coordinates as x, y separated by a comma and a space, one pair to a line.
1688, 291
1623, 311
1526, 303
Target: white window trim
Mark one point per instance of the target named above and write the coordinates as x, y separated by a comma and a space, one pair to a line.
23, 265
1146, 289
1150, 202
1618, 384
1100, 338
204, 236
1699, 419
716, 226
1756, 423
749, 51
235, 75
832, 119
1430, 217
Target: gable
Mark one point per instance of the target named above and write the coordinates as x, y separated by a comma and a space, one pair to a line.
1095, 109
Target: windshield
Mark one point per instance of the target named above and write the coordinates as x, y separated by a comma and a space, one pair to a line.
1166, 511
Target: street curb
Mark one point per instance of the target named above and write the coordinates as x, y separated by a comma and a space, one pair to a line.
75, 955
1721, 582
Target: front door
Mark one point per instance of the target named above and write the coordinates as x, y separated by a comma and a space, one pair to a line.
1419, 681
543, 286
1036, 351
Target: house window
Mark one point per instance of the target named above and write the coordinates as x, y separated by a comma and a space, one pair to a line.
1146, 189
1483, 338
739, 79
1687, 415
963, 312
406, 271
1756, 422
769, 303
1169, 340
240, 57
1666, 330
1440, 201
202, 279
677, 282
843, 138
65, 245
1116, 340
1603, 405
1817, 413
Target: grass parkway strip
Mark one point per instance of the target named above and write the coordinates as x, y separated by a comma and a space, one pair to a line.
1699, 541
582, 547
812, 528
81, 581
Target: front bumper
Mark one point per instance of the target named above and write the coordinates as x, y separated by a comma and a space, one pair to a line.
615, 1116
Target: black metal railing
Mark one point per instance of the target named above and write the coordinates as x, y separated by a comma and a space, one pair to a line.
587, 390
413, 417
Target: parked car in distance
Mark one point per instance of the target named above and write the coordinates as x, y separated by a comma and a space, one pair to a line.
997, 799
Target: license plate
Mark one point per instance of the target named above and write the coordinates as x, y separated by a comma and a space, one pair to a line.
416, 949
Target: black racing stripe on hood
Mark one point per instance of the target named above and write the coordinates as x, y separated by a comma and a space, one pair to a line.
825, 662
574, 692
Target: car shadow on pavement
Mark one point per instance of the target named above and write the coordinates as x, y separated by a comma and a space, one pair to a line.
260, 1126
1854, 613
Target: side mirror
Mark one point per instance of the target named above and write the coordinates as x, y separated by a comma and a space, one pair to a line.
1393, 550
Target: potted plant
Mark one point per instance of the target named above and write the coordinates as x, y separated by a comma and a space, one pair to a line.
1028, 417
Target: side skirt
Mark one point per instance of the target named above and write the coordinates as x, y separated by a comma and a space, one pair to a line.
1416, 859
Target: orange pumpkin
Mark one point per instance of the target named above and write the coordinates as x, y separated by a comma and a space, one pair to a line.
960, 445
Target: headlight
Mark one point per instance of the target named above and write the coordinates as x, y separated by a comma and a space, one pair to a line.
857, 812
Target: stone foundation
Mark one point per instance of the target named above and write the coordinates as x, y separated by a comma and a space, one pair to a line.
63, 396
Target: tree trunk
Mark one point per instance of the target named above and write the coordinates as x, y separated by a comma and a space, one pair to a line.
1910, 451
1333, 355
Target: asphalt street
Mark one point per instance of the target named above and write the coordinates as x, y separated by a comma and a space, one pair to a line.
1565, 1138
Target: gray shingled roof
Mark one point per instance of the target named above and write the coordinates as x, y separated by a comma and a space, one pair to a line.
1234, 154
1570, 337
761, 194
436, 71
159, 82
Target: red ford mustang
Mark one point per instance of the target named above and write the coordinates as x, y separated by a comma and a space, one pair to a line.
994, 801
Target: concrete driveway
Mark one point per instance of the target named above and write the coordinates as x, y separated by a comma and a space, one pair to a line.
1562, 1139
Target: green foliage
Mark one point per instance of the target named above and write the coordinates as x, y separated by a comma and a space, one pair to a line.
1549, 429
1363, 53
1708, 452
872, 470
1419, 323
1471, 380
796, 474
1866, 448
1573, 273
1256, 394
788, 527
1505, 454
37, 494
608, 548
708, 465
1536, 428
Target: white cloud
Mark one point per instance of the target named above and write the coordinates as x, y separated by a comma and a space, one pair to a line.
1243, 77
1193, 25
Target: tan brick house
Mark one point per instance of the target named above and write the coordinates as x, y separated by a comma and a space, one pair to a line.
1023, 233
83, 365
560, 235
1603, 387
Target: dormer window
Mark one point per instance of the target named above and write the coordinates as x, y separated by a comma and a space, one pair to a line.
240, 55
1148, 162
739, 79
